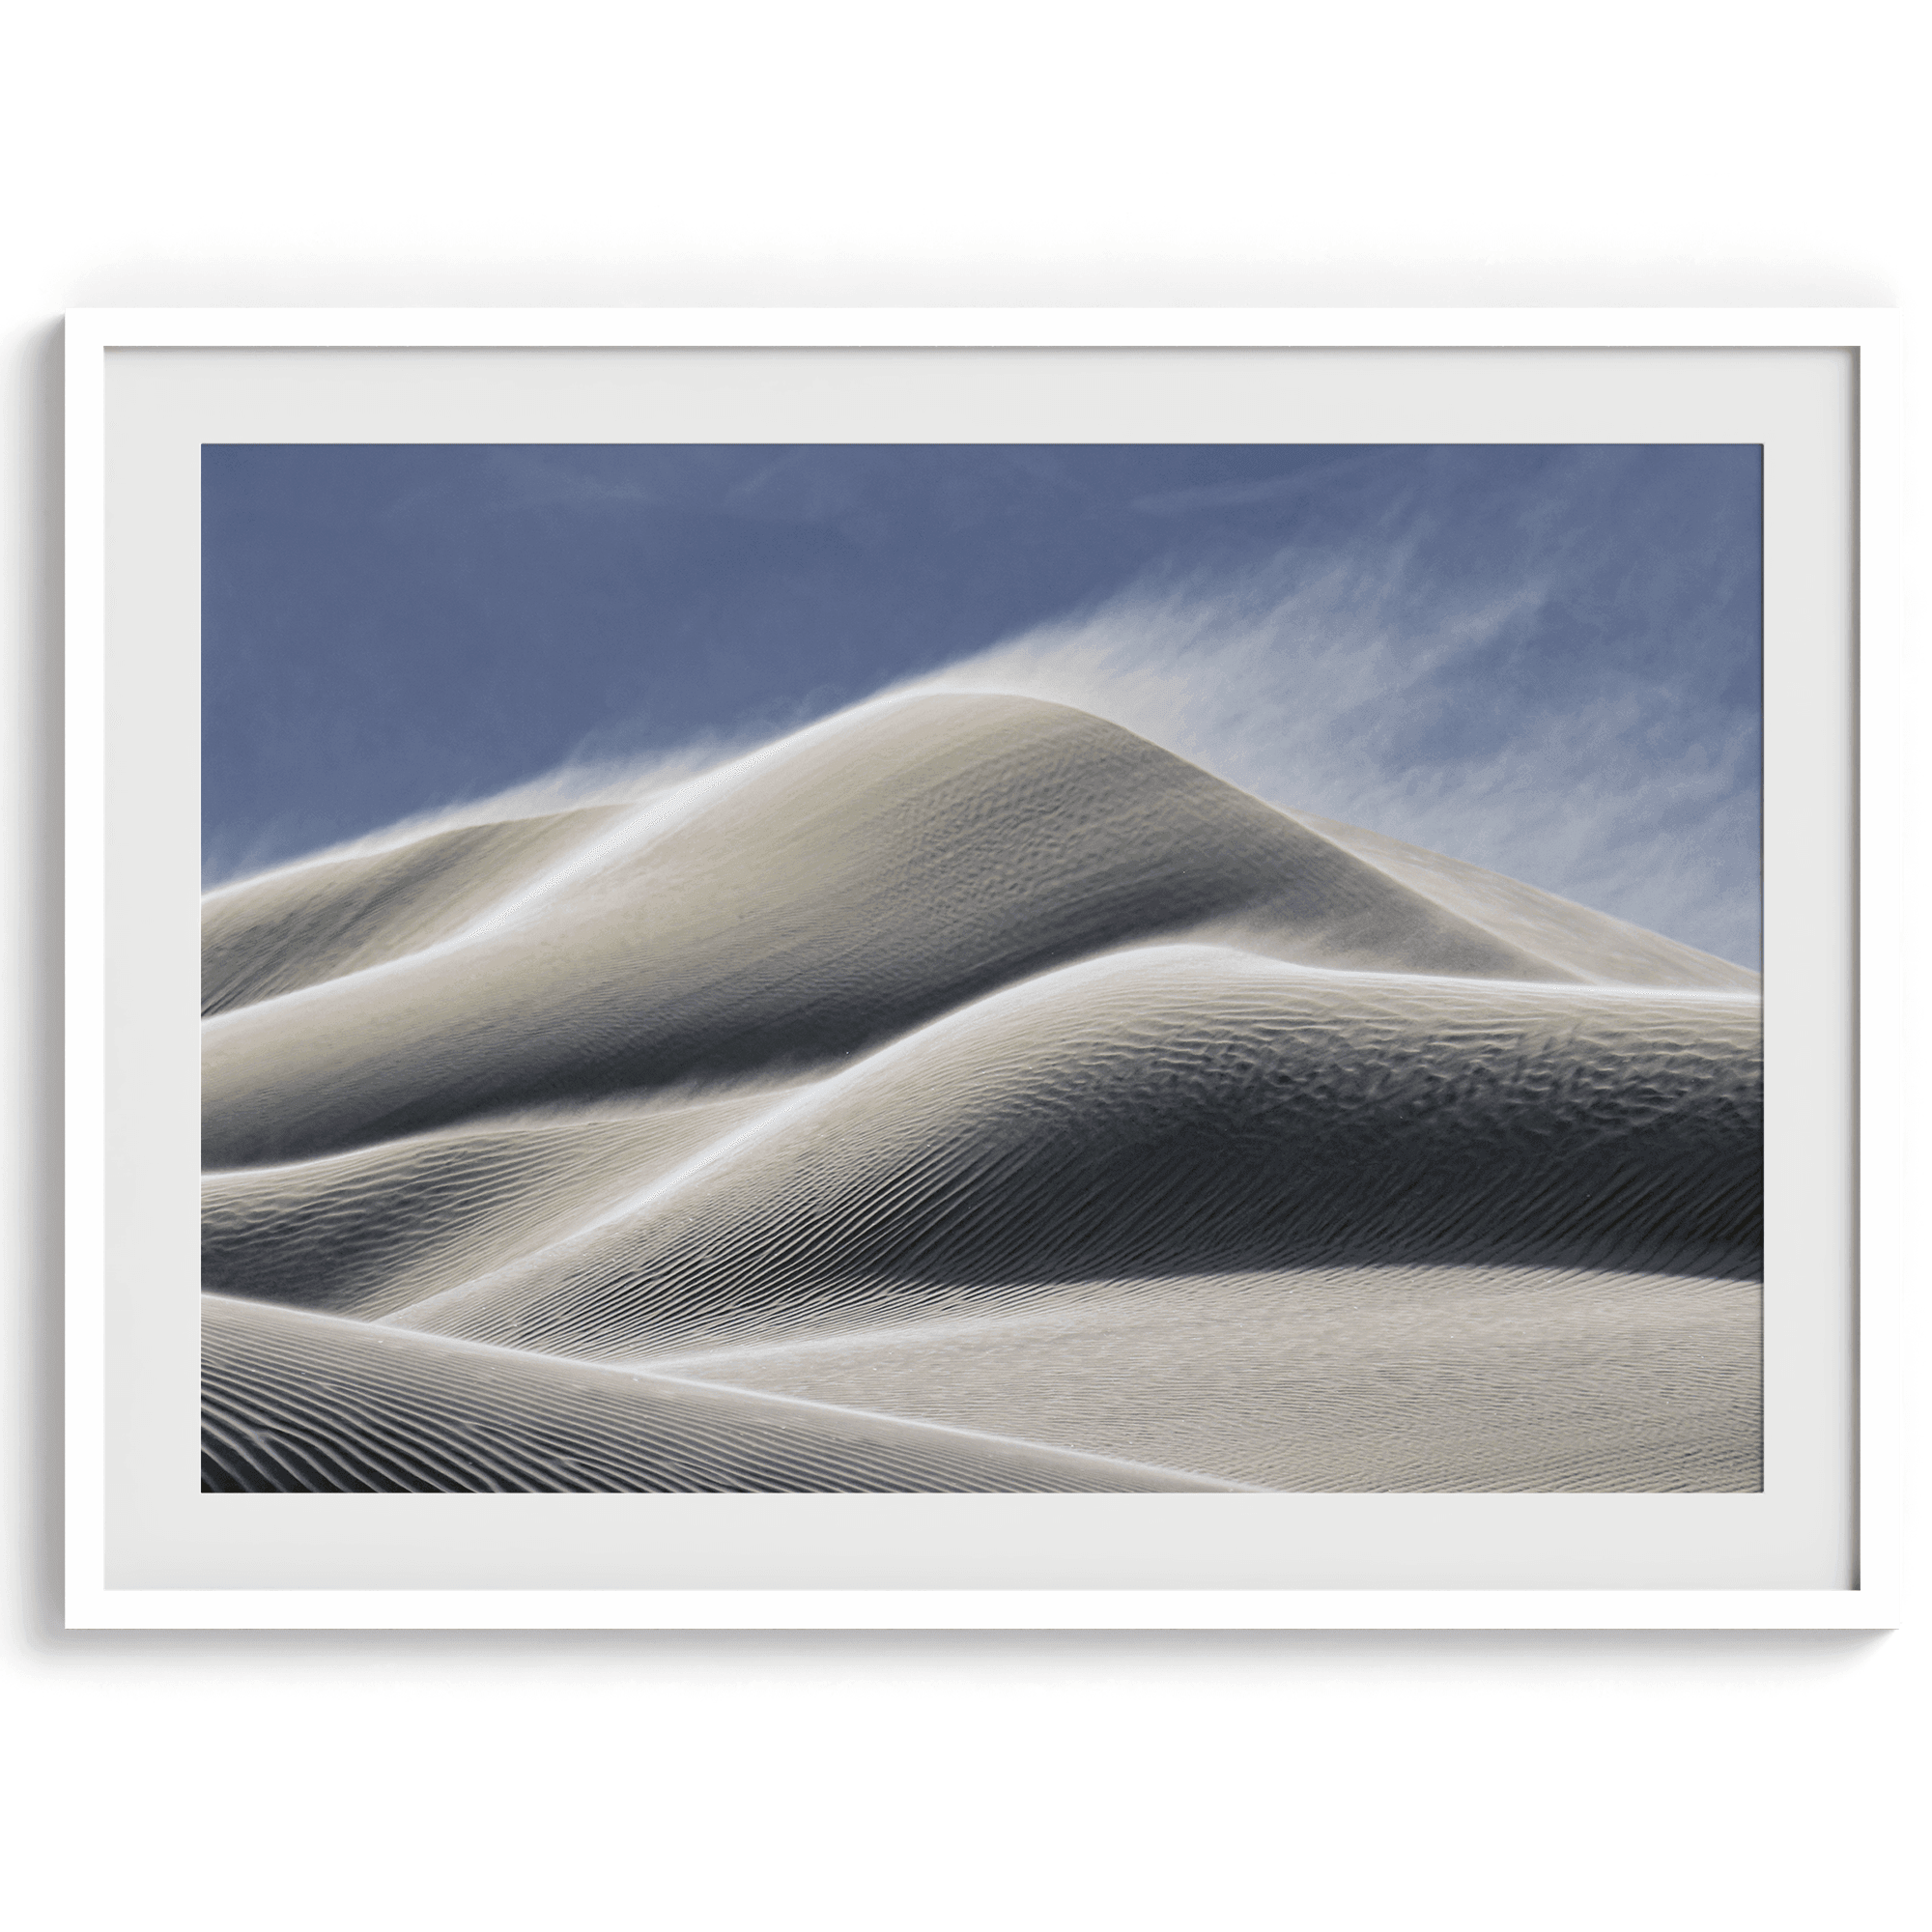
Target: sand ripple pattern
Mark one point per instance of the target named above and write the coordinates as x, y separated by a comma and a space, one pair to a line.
371, 1231
293, 1402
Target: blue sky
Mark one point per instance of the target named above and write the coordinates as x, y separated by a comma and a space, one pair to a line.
1543, 659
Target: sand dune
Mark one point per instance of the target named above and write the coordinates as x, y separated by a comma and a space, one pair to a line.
1591, 945
311, 923
371, 1231
914, 858
298, 1401
965, 1094
1173, 1109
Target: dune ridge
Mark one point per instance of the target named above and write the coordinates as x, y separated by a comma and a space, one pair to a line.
1170, 1109
925, 855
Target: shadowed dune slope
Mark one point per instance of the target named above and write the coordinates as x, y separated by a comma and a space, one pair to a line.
310, 923
373, 1230
305, 1402
822, 897
1591, 945
1180, 1109
1418, 1379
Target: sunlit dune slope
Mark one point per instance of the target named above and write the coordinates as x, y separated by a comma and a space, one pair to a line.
299, 1401
820, 898
1414, 1378
373, 1230
1181, 1109
306, 924
1591, 945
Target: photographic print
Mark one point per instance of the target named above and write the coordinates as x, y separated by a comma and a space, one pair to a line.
966, 967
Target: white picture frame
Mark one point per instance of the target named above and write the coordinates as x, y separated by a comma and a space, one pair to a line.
1862, 1386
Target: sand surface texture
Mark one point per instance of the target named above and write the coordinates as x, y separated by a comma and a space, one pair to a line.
965, 1094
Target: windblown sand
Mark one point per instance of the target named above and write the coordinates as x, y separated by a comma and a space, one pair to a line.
966, 1093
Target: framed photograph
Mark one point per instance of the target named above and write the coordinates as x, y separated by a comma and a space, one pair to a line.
982, 968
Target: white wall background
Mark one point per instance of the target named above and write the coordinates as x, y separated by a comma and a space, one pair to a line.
837, 152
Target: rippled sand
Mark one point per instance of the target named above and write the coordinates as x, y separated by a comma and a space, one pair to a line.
968, 1094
